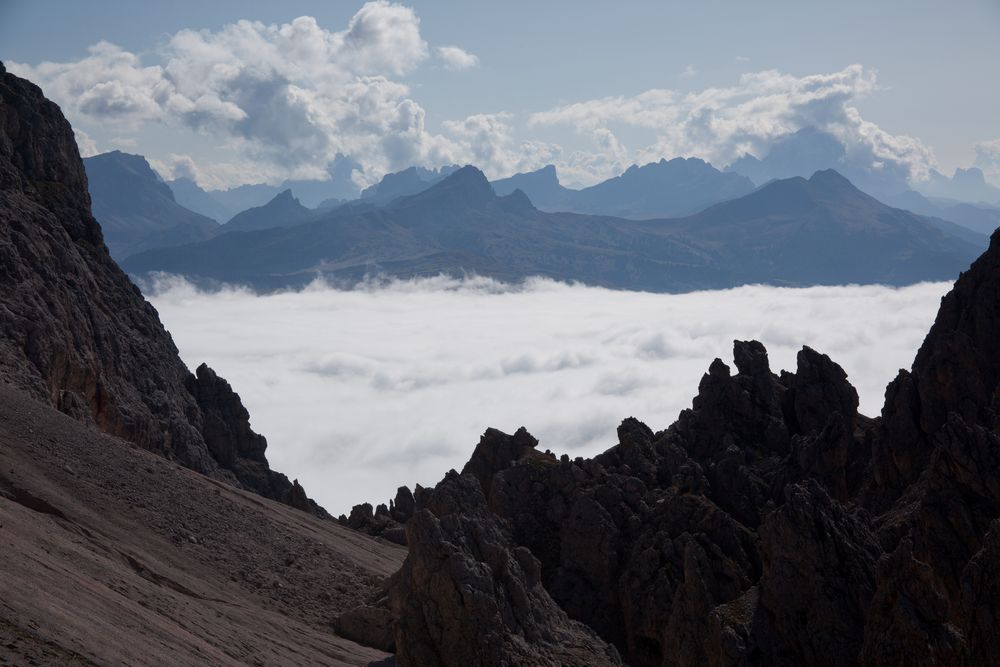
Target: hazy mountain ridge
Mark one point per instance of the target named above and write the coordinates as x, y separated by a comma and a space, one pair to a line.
664, 189
222, 205
137, 211
460, 225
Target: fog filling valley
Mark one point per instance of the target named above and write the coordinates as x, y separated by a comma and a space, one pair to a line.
360, 391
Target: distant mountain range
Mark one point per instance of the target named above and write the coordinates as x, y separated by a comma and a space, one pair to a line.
810, 149
141, 215
137, 210
980, 218
966, 185
791, 232
222, 205
663, 189
402, 183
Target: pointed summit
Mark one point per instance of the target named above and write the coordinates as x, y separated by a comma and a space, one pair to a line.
284, 210
831, 179
466, 187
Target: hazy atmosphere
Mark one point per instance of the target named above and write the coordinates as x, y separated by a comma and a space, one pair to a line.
424, 333
361, 391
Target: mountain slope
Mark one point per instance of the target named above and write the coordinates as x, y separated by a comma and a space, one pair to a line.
823, 230
189, 195
113, 555
979, 218
282, 211
794, 232
77, 334
137, 211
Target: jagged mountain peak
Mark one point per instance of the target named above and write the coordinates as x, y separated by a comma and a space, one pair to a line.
283, 210
467, 186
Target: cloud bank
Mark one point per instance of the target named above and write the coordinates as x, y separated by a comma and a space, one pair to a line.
285, 98
721, 124
361, 391
282, 101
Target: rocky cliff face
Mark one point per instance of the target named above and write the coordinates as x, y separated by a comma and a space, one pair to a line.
76, 333
771, 524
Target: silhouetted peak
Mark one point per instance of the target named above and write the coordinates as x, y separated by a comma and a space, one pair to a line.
830, 178
128, 160
546, 175
284, 196
124, 176
517, 202
468, 186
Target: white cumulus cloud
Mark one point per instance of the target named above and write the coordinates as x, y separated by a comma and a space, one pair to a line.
720, 124
456, 58
361, 391
287, 98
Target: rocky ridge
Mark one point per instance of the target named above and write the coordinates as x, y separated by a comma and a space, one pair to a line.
77, 334
771, 524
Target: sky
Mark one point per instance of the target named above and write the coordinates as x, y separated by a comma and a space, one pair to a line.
361, 391
252, 91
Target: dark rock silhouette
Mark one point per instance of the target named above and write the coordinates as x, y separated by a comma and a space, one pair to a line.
771, 524
77, 334
282, 211
467, 595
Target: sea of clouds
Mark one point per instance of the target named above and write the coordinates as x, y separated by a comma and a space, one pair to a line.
360, 391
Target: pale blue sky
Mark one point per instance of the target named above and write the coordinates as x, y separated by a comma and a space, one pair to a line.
937, 64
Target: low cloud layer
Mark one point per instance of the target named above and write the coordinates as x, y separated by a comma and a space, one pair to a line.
361, 391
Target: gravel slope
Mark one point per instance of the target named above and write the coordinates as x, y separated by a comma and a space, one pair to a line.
112, 555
